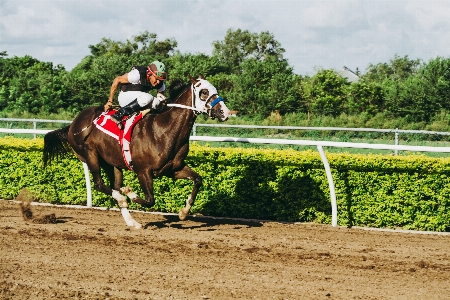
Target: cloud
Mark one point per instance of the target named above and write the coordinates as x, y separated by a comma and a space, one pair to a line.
328, 34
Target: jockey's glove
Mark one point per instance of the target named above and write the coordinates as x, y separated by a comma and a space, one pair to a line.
160, 97
159, 102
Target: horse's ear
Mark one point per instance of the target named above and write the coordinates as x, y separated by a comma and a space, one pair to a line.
192, 79
201, 76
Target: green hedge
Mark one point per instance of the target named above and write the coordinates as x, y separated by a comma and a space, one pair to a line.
411, 192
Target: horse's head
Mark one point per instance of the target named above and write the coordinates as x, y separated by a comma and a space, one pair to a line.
206, 99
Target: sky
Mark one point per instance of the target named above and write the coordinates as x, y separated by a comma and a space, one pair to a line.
315, 34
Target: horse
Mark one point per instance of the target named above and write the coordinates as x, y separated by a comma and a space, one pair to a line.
159, 145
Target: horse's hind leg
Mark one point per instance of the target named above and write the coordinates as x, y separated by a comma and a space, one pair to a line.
188, 173
99, 185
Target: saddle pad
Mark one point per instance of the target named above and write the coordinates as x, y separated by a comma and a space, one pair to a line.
105, 124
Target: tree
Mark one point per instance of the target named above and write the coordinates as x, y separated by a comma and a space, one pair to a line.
325, 93
241, 45
261, 80
262, 87
398, 68
180, 65
436, 73
365, 97
28, 85
145, 43
422, 95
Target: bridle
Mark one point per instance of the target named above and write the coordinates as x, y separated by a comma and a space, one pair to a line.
200, 106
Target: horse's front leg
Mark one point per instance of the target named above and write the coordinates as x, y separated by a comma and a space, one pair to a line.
188, 173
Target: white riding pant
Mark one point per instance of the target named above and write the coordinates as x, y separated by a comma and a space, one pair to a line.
143, 98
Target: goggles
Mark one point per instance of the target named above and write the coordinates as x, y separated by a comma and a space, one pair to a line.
158, 74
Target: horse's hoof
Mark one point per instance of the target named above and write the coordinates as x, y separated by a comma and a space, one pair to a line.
182, 215
134, 224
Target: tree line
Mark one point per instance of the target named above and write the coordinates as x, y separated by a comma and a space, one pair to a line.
248, 69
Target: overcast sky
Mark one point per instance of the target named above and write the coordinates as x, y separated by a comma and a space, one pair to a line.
315, 34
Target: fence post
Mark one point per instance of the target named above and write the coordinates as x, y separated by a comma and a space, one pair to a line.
88, 185
396, 141
330, 185
34, 126
194, 130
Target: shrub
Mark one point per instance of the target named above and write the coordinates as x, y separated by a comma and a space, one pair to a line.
411, 192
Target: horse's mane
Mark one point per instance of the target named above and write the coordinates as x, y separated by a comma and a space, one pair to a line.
176, 88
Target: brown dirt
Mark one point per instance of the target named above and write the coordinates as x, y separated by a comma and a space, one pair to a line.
92, 254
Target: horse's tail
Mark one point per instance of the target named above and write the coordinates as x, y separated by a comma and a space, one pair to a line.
55, 144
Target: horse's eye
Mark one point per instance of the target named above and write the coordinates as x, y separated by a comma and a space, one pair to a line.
204, 94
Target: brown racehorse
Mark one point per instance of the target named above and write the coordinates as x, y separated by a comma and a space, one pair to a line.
159, 145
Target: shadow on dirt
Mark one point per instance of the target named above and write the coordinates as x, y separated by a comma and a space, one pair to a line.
196, 222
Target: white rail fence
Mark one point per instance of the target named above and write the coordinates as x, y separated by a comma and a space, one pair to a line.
34, 121
395, 131
318, 144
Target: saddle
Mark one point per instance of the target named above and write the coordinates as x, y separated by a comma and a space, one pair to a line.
106, 125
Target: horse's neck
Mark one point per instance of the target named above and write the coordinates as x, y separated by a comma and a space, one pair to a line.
182, 118
185, 98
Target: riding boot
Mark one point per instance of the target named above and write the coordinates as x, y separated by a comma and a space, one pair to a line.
127, 110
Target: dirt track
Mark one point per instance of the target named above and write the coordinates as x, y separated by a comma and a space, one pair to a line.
91, 254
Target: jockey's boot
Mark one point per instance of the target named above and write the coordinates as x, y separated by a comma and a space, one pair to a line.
127, 110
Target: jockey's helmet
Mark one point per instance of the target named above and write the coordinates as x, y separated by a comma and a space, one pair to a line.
158, 69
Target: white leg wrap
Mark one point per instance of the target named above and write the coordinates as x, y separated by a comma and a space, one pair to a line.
132, 195
121, 200
129, 219
127, 191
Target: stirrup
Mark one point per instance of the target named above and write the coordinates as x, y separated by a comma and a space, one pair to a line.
125, 111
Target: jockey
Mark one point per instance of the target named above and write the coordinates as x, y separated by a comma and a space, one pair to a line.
135, 85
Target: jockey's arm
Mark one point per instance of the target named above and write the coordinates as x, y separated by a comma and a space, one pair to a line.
119, 79
160, 93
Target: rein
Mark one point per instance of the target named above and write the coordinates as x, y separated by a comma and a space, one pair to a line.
182, 106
